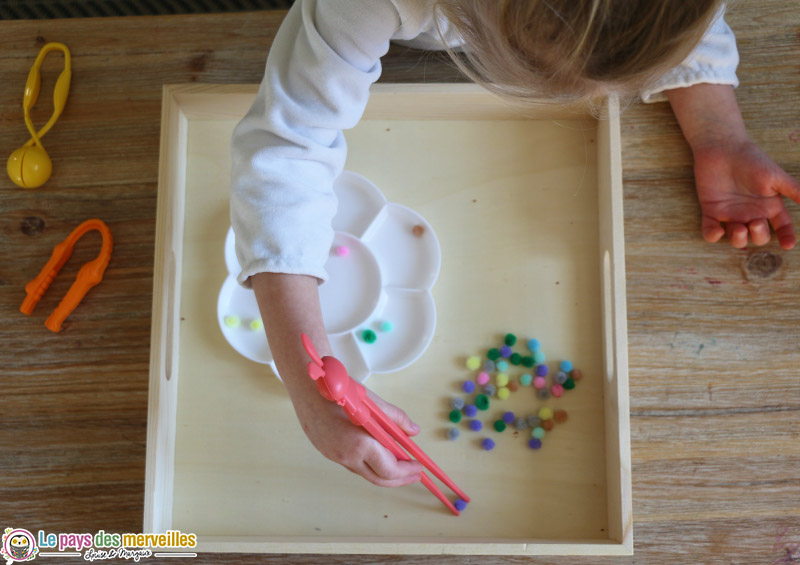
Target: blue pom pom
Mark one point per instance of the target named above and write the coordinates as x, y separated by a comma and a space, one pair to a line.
460, 505
535, 443
475, 425
487, 444
470, 410
566, 366
508, 417
533, 345
468, 387
505, 351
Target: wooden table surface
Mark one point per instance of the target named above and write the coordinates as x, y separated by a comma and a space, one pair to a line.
713, 331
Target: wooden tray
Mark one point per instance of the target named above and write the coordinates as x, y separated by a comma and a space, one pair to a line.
527, 206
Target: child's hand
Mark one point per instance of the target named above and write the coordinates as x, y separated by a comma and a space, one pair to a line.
737, 183
740, 186
329, 430
289, 307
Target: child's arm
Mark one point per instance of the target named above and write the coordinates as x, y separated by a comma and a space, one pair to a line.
289, 306
737, 183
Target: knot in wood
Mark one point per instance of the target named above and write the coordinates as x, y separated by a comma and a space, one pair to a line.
31, 225
762, 265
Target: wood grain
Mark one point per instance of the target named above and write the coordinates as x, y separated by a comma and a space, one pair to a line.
715, 393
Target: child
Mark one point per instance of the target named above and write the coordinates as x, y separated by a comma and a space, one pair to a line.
289, 148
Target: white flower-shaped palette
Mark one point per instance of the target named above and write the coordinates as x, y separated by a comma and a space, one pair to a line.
383, 281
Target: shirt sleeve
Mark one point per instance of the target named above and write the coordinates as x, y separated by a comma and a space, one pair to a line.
713, 61
289, 148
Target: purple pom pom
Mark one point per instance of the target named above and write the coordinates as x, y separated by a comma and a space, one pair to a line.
505, 351
535, 443
475, 425
469, 387
541, 370
488, 444
460, 505
508, 417
470, 410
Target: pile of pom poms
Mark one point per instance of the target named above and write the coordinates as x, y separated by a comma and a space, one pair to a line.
492, 379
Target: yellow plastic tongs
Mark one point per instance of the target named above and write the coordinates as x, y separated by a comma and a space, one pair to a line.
30, 165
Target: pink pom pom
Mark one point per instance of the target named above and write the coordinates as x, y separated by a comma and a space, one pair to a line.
342, 250
483, 378
539, 382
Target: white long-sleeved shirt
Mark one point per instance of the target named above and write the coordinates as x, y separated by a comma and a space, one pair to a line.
289, 148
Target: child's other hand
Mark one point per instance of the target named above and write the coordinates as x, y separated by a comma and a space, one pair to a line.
740, 186
329, 430
737, 183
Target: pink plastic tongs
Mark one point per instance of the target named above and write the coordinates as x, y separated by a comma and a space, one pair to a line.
335, 384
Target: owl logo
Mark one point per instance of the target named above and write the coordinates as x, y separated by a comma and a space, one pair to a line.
18, 545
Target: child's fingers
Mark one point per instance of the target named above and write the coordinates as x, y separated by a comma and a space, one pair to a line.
737, 234
759, 231
712, 230
385, 470
784, 230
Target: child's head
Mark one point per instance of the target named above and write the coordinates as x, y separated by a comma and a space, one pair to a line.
574, 49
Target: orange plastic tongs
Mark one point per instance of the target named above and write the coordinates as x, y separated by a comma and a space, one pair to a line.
89, 276
336, 385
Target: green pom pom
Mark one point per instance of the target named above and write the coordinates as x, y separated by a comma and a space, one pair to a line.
482, 402
369, 336
500, 426
493, 354
510, 340
455, 416
527, 361
515, 359
569, 384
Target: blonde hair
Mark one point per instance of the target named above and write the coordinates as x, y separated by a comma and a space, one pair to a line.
573, 50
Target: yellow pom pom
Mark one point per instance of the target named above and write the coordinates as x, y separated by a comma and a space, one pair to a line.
545, 413
473, 363
232, 321
503, 393
257, 325
501, 379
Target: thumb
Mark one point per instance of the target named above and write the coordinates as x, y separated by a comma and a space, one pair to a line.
788, 186
397, 415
